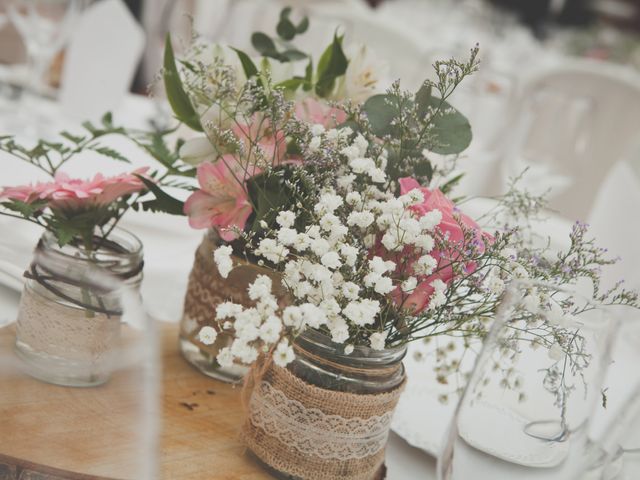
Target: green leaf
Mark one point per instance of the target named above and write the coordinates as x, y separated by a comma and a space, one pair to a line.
250, 70
178, 99
111, 153
293, 55
163, 201
72, 138
270, 195
308, 76
381, 110
107, 120
27, 210
449, 185
264, 44
424, 169
292, 84
303, 25
64, 235
333, 63
422, 99
285, 29
285, 12
451, 129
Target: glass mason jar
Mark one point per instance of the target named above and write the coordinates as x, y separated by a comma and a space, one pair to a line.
206, 289
366, 383
68, 323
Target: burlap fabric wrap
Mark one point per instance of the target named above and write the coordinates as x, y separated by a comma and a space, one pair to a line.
206, 289
318, 434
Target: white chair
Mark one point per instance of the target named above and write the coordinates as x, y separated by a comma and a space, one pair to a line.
570, 125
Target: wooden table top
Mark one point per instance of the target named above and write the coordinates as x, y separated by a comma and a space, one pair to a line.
47, 431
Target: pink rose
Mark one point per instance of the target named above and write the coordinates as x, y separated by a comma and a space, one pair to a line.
449, 228
315, 112
222, 200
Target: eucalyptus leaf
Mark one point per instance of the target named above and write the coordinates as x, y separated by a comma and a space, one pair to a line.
285, 12
293, 55
264, 44
285, 29
450, 128
303, 25
381, 110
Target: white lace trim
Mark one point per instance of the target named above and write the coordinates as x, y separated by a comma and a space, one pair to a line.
313, 432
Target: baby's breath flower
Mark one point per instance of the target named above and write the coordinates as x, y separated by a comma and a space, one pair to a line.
207, 335
283, 355
286, 218
331, 260
222, 258
378, 340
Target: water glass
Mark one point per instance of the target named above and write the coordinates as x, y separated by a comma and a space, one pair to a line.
526, 410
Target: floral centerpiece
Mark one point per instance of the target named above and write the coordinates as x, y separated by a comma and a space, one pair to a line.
329, 191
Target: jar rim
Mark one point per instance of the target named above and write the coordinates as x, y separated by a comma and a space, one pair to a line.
128, 241
322, 341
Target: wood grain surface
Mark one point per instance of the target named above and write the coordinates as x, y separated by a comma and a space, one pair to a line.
48, 432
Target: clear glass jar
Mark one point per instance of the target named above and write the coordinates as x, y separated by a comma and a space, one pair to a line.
323, 363
207, 289
68, 324
319, 362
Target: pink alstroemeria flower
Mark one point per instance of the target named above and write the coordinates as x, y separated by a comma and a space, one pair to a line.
259, 134
316, 112
222, 200
450, 226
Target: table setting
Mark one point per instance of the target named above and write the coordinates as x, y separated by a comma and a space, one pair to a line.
291, 267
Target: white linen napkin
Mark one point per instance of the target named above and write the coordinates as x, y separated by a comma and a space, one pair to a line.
100, 60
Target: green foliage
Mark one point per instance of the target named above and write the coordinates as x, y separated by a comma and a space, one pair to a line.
286, 29
276, 190
269, 194
250, 70
26, 210
332, 64
450, 128
163, 202
178, 99
381, 112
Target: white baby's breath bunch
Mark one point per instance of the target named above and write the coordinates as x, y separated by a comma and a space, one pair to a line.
335, 280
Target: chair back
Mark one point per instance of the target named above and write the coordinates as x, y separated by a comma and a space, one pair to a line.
569, 126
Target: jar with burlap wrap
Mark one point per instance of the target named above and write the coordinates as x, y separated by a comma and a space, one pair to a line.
69, 318
327, 415
206, 289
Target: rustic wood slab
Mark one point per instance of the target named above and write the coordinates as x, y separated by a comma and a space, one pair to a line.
49, 432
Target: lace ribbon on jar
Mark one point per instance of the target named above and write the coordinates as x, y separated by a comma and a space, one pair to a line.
315, 433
